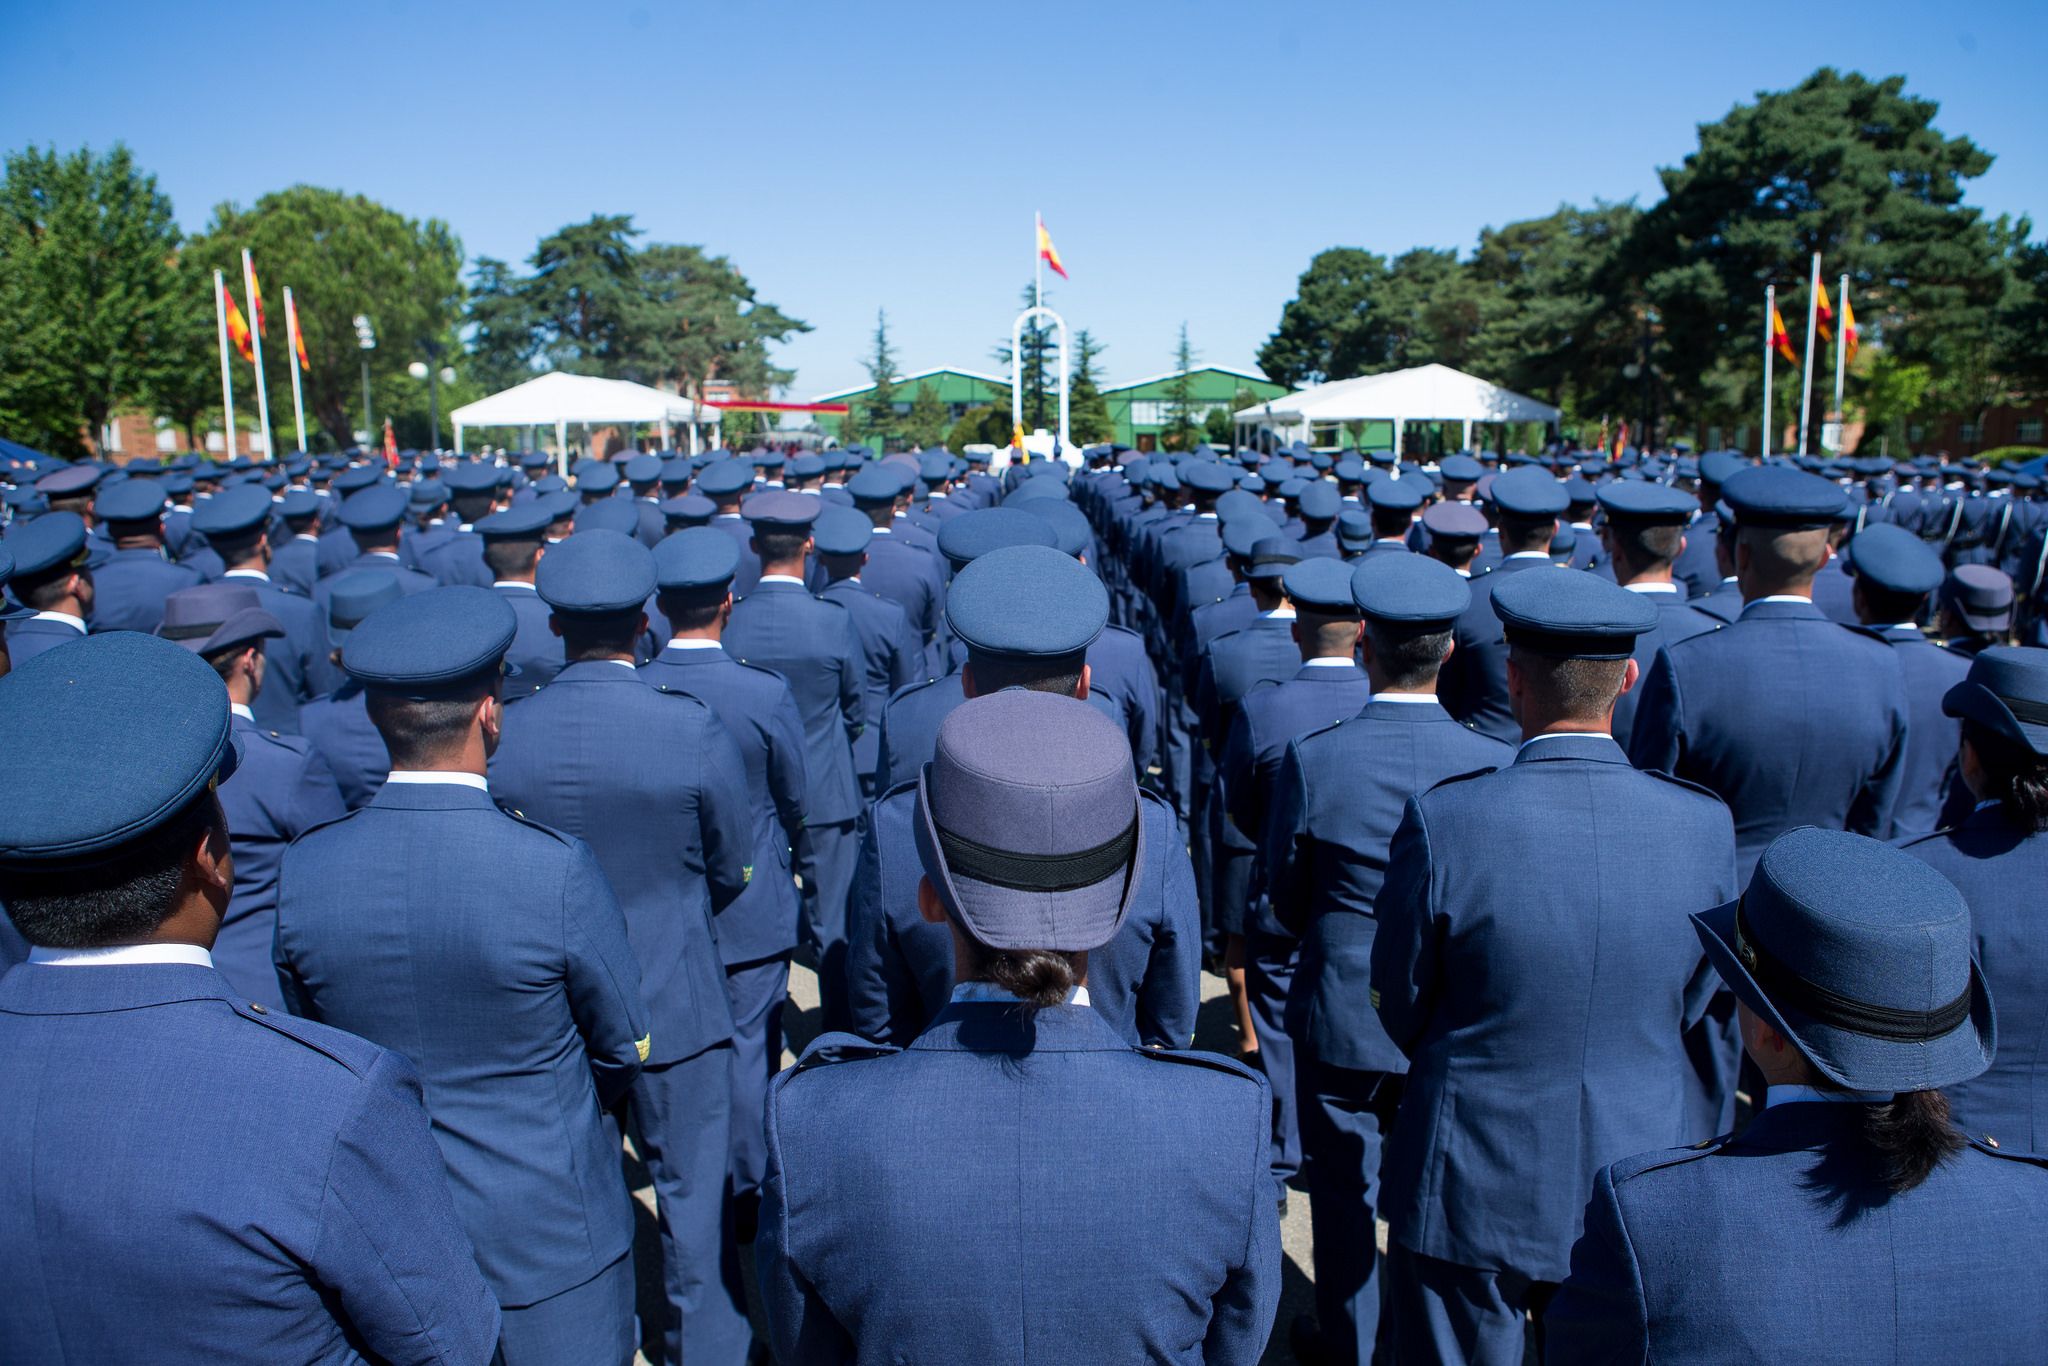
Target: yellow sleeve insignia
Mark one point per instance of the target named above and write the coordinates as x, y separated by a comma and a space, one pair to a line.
643, 1046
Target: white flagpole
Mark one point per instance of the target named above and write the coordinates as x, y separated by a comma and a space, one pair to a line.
227, 384
1841, 342
1806, 361
291, 345
256, 340
1037, 265
1770, 354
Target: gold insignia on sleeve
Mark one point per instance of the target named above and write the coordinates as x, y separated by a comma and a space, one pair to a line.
643, 1046
747, 874
1375, 998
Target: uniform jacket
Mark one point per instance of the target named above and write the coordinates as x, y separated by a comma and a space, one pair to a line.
891, 657
297, 667
1004, 1192
812, 644
339, 727
536, 650
306, 1218
410, 580
31, 636
1474, 683
295, 564
130, 588
1536, 963
489, 951
457, 560
749, 571
910, 578
656, 787
1675, 622
1928, 772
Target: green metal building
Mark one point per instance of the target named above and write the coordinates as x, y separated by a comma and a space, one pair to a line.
1142, 408
959, 390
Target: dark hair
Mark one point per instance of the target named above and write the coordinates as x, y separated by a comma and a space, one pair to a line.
45, 591
508, 558
80, 503
419, 733
1908, 1136
585, 635
1407, 656
1455, 551
1887, 606
471, 507
1781, 558
1326, 633
1644, 545
691, 609
839, 567
373, 540
1057, 674
1037, 977
1391, 521
238, 547
118, 901
297, 525
1520, 534
223, 661
2014, 777
780, 545
1578, 689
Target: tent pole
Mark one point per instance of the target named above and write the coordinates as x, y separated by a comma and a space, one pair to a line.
562, 447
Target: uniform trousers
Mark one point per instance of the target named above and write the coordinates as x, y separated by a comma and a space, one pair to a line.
682, 1128
834, 850
1462, 1315
1345, 1116
757, 992
1269, 962
592, 1322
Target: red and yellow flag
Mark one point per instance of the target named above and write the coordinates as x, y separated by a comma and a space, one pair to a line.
1047, 252
1781, 340
291, 323
1849, 337
1620, 440
1824, 315
238, 327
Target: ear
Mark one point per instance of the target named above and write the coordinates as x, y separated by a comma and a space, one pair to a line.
968, 688
1087, 676
1681, 545
928, 904
554, 625
213, 862
1294, 632
1629, 678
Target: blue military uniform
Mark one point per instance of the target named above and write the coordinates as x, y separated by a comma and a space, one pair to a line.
903, 573
129, 586
299, 664
375, 510
338, 726
656, 787
1474, 686
1583, 997
536, 651
1630, 507
51, 545
306, 1217
891, 655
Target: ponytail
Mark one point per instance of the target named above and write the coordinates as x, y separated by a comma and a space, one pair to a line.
1037, 977
1909, 1135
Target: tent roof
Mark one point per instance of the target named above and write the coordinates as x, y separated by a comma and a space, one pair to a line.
1427, 393
562, 397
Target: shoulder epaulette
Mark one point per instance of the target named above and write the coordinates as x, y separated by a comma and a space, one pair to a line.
337, 820
1871, 632
1988, 1145
1466, 777
1215, 1062
1685, 783
357, 1055
1127, 631
530, 822
670, 690
906, 689
838, 1047
1629, 1168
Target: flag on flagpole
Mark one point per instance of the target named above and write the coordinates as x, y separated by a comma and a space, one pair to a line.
1620, 440
238, 327
390, 445
1824, 315
1048, 253
291, 323
1781, 340
256, 299
1849, 337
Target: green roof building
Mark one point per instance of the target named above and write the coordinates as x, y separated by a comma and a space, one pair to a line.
959, 390
1142, 408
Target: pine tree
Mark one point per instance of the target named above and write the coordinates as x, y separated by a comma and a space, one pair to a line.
1182, 428
1088, 420
879, 418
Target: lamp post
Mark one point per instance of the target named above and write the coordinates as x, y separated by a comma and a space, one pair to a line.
435, 378
366, 338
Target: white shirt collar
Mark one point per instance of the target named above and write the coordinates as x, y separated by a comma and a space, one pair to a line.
1651, 587
695, 643
305, 536
1527, 555
782, 578
628, 665
1410, 698
75, 623
1278, 614
1786, 1095
120, 955
1562, 735
406, 775
1329, 662
514, 583
1785, 597
1913, 626
380, 554
1391, 540
989, 991
238, 709
246, 574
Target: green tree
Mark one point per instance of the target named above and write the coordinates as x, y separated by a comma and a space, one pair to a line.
927, 422
1088, 419
878, 416
699, 320
1038, 344
501, 326
184, 380
1328, 330
586, 295
1547, 333
343, 255
1887, 392
1183, 429
87, 292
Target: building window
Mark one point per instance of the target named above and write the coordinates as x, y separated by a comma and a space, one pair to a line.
1158, 412
166, 440
1966, 431
112, 436
2030, 430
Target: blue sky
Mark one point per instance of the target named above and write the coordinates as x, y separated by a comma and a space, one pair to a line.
1189, 158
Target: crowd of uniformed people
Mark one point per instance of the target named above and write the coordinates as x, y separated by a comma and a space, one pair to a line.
1614, 864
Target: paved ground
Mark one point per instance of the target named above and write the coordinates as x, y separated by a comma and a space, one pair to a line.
1214, 1030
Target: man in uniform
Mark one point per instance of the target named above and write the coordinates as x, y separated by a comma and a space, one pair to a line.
890, 655
1642, 535
726, 483
130, 588
233, 1185
372, 520
655, 786
294, 562
1544, 1032
1474, 683
1334, 807
339, 725
235, 525
512, 544
897, 570
53, 581
509, 930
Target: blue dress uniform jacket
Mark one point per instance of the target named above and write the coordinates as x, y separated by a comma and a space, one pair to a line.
910, 728
749, 571
1928, 774
1675, 622
339, 727
409, 580
891, 657
299, 666
457, 560
1120, 673
1791, 719
1834, 593
1146, 982
281, 789
1003, 1192
2000, 870
1774, 1246
812, 644
1695, 569
911, 579
1539, 985
1474, 682
130, 588
536, 650
295, 565
31, 636
335, 551
656, 787
497, 962
306, 1218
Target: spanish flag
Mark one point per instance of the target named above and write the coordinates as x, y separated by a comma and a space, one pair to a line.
1047, 252
1849, 337
291, 323
1780, 339
238, 327
256, 295
1824, 315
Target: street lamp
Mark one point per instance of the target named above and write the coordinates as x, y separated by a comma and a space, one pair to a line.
422, 369
366, 338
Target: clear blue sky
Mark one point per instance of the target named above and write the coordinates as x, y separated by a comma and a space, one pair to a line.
1189, 158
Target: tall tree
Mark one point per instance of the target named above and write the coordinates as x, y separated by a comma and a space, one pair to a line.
87, 291
1183, 427
586, 294
879, 420
701, 321
1088, 419
1548, 333
501, 326
1038, 343
927, 422
1329, 330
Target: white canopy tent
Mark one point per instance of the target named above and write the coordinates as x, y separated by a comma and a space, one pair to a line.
1427, 393
556, 399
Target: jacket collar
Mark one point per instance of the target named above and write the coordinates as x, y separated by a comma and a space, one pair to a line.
685, 657
1598, 749
431, 797
34, 989
1802, 610
1405, 711
1329, 673
996, 1027
1789, 1128
600, 671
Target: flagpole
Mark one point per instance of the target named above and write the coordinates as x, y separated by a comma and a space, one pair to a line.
1037, 264
227, 384
1770, 354
1806, 361
256, 339
291, 346
1841, 344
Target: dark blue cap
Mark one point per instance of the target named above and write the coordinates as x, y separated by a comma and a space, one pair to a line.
25, 501
352, 480
1320, 501
1354, 530
1026, 602
234, 512
1270, 556
725, 478
1320, 584
1409, 589
1396, 495
970, 535
1895, 559
373, 509
1571, 615
423, 645
1578, 489
936, 467
552, 483
1860, 954
526, 521
768, 460
699, 557
1981, 595
779, 510
102, 742
355, 595
873, 485
210, 617
1290, 489
1529, 493
1462, 468
1038, 486
676, 471
1784, 498
643, 469
1454, 521
1717, 467
1071, 529
1205, 477
562, 505
132, 500
53, 541
691, 509
599, 478
608, 514
70, 481
2006, 691
1646, 504
471, 478
428, 493
1239, 503
1241, 534
841, 531
596, 573
807, 466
